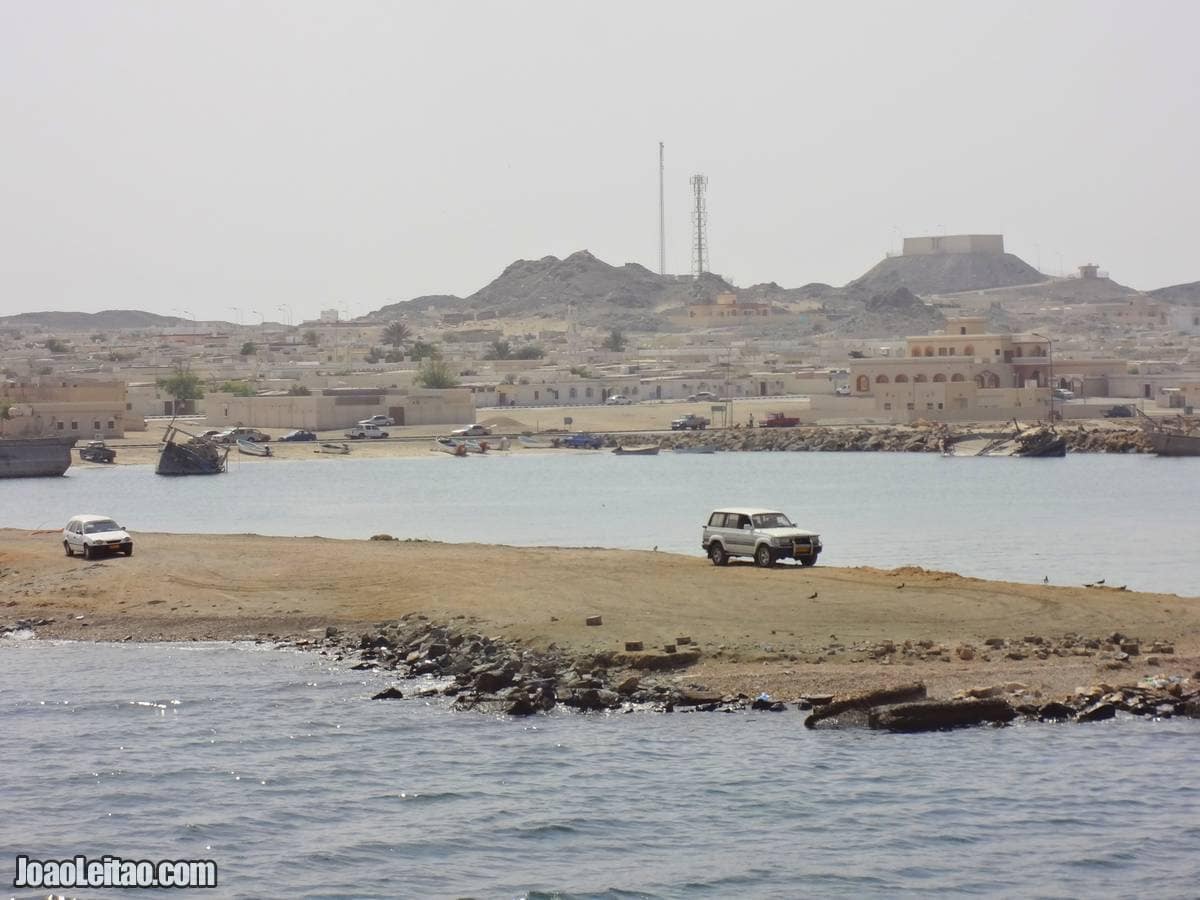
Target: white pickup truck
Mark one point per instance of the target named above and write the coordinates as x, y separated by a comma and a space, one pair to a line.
366, 431
764, 534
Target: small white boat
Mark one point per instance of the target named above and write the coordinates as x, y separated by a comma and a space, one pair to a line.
250, 448
646, 450
449, 445
333, 448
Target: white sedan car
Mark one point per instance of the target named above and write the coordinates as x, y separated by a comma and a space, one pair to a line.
618, 400
379, 421
475, 430
92, 535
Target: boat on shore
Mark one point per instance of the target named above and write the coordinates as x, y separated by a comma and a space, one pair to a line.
1176, 436
331, 447
537, 443
250, 448
450, 446
644, 450
35, 457
1044, 442
183, 453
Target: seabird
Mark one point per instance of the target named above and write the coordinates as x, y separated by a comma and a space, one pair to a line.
813, 595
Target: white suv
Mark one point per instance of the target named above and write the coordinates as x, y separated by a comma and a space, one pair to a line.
93, 535
765, 534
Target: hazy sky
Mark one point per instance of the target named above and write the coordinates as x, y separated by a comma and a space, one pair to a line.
209, 155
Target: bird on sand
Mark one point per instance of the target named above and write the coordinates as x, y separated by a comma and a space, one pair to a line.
900, 585
813, 595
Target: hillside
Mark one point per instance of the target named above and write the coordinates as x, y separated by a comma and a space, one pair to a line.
628, 296
945, 273
109, 319
1183, 294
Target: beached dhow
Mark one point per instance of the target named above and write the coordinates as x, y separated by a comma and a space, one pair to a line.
183, 453
34, 457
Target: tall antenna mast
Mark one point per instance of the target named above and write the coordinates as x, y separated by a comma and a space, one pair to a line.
662, 217
699, 226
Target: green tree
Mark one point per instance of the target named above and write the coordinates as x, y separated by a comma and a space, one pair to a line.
499, 350
249, 349
5, 406
615, 341
97, 338
422, 350
181, 385
397, 334
436, 373
529, 351
237, 388
54, 345
581, 371
311, 338
374, 355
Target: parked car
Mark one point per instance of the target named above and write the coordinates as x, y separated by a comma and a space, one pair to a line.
233, 435
702, 396
97, 451
92, 535
211, 433
475, 430
1063, 394
618, 400
299, 435
366, 431
764, 534
581, 441
1118, 412
779, 420
841, 391
689, 423
381, 421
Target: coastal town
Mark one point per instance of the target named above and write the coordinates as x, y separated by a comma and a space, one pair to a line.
953, 331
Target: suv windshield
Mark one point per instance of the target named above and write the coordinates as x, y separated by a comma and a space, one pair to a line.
101, 526
772, 520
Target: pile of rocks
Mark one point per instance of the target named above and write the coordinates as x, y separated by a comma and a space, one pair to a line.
493, 675
888, 439
1115, 650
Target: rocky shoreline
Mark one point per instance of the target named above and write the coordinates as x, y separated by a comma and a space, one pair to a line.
494, 676
917, 438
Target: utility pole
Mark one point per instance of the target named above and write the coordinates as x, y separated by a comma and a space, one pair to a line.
662, 216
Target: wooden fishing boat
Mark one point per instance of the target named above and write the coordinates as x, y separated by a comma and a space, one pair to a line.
644, 450
194, 456
1175, 436
250, 448
450, 446
333, 448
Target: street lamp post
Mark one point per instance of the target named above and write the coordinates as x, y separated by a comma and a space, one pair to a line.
1050, 378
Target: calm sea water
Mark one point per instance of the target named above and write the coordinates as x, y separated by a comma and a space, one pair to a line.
278, 766
1129, 519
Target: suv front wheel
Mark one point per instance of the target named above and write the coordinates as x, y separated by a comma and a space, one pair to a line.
763, 557
717, 554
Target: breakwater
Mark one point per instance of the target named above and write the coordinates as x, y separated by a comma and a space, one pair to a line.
920, 438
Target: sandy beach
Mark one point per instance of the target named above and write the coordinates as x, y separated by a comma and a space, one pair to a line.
788, 631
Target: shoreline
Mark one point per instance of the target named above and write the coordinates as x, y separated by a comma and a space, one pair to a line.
790, 634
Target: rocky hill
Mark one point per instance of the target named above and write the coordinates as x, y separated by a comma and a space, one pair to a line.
1183, 294
896, 313
106, 320
945, 273
628, 296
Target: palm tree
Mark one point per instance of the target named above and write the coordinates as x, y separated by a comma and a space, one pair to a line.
397, 334
499, 350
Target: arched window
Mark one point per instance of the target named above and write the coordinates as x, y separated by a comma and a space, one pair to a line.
990, 380
979, 380
902, 379
587, 392
573, 393
957, 376
941, 351
969, 350
929, 351
939, 378
919, 379
863, 384
881, 379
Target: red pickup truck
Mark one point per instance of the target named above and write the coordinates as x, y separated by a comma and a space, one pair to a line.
779, 420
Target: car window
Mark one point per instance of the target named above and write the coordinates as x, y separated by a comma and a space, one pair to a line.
716, 520
100, 526
743, 521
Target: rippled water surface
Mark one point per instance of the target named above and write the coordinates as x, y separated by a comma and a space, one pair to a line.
1130, 519
278, 766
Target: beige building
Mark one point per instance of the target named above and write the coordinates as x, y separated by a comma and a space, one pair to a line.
991, 244
68, 408
341, 407
728, 306
965, 373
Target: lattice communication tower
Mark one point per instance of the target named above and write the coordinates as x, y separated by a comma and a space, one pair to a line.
699, 226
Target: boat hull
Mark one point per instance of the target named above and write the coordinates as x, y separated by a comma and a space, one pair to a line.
35, 457
252, 449
636, 451
1174, 444
180, 459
